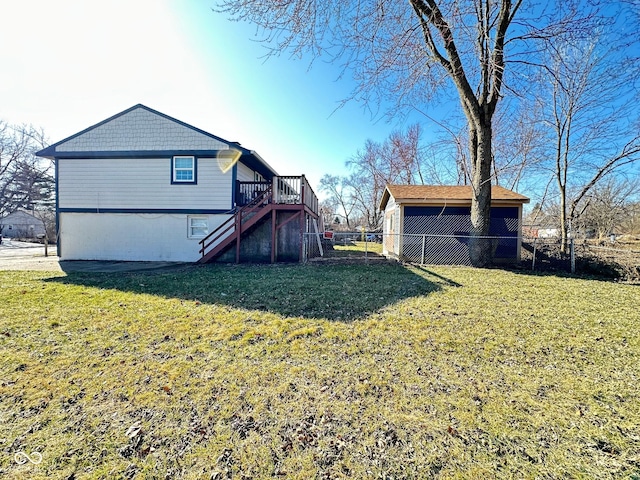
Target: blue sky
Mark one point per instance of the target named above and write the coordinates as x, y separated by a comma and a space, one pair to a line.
68, 64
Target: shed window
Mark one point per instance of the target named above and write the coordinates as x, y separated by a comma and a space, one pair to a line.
183, 169
198, 227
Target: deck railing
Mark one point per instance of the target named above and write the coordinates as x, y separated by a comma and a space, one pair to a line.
291, 190
247, 191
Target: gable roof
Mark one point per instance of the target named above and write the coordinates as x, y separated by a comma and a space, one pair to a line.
19, 213
444, 193
141, 131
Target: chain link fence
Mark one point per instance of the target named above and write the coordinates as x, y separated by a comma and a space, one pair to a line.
343, 245
536, 254
619, 261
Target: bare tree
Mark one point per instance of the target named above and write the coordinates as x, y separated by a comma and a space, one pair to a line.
25, 180
404, 156
398, 159
367, 193
340, 196
328, 208
411, 51
631, 223
518, 152
607, 207
453, 143
47, 216
591, 119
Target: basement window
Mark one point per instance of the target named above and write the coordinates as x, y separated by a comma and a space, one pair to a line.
198, 227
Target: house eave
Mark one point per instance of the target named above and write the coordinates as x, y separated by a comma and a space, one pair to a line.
90, 155
254, 161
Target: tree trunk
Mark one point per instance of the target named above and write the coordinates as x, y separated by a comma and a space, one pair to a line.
480, 246
564, 225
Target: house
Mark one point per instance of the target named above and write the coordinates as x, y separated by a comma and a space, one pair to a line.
143, 186
549, 232
21, 224
432, 224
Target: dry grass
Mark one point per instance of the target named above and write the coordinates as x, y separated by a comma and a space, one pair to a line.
319, 372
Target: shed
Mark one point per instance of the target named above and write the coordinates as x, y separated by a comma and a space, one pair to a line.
431, 224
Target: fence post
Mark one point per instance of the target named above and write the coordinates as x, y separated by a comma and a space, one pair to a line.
422, 256
305, 250
533, 262
573, 256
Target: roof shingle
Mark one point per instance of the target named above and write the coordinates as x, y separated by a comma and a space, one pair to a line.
446, 192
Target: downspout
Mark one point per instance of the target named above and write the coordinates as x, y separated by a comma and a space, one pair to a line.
234, 184
57, 190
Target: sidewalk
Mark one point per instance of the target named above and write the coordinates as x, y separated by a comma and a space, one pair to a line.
30, 256
15, 255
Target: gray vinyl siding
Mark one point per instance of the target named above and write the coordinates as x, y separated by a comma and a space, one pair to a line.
245, 174
140, 183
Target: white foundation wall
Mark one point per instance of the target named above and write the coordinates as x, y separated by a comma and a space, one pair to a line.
130, 237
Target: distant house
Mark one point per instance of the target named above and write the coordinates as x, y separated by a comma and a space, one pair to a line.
432, 224
549, 232
143, 186
21, 224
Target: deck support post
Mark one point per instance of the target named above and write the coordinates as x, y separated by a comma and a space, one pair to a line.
303, 216
273, 236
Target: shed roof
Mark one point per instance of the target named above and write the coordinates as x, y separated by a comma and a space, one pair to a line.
444, 193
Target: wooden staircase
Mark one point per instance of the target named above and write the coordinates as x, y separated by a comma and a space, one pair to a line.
230, 232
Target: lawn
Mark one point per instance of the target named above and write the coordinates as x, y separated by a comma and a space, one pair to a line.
320, 371
355, 249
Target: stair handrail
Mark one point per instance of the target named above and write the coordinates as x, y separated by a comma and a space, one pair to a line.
229, 222
240, 213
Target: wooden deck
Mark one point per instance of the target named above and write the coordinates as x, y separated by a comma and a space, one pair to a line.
286, 191
284, 200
